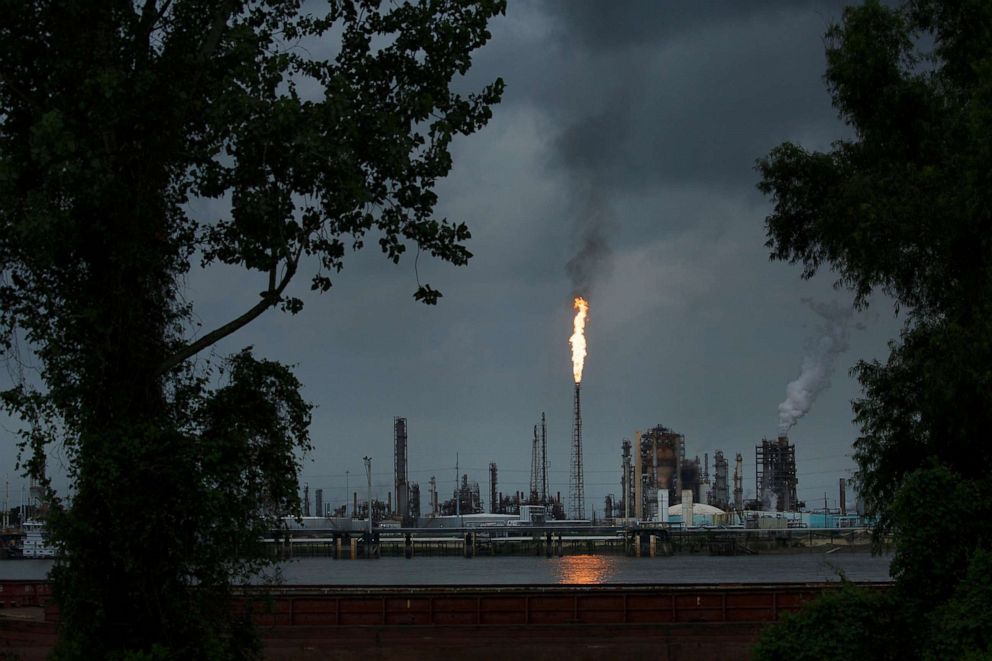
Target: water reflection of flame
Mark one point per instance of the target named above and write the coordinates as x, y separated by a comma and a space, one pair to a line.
583, 570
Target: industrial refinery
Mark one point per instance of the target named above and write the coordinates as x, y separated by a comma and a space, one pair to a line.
661, 490
668, 503
660, 484
657, 481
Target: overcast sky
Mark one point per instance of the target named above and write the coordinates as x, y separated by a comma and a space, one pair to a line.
633, 128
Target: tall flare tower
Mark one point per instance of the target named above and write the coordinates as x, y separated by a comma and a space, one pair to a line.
576, 487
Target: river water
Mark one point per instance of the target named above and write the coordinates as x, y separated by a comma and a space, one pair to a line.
570, 569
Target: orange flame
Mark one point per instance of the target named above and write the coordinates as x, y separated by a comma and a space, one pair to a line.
578, 339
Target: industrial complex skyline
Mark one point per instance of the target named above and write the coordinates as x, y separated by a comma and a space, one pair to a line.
619, 166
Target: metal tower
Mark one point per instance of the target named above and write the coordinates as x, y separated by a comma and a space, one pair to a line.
543, 484
400, 466
775, 472
625, 480
721, 487
535, 468
576, 488
432, 496
493, 499
739, 483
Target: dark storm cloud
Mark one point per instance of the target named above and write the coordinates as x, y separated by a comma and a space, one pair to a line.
623, 124
585, 144
614, 26
685, 92
626, 125
649, 96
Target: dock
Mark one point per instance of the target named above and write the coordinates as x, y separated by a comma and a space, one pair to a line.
557, 541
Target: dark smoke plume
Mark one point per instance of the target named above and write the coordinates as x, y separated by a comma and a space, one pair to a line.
591, 261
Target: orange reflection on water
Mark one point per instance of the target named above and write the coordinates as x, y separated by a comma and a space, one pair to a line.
583, 569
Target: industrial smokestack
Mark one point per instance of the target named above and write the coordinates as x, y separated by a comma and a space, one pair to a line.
493, 500
400, 463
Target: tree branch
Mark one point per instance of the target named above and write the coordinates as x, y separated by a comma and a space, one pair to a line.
17, 91
150, 15
270, 297
212, 40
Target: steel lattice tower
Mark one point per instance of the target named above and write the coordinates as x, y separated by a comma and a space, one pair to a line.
544, 461
576, 488
535, 468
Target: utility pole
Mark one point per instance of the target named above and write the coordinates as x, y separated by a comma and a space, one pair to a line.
347, 494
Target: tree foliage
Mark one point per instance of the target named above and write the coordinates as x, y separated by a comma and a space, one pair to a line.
904, 206
319, 127
845, 623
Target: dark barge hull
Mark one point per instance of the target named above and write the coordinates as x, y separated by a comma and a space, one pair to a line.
697, 622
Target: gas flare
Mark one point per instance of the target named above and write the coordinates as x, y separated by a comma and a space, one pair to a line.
578, 339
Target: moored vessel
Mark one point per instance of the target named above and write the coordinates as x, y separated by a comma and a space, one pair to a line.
35, 544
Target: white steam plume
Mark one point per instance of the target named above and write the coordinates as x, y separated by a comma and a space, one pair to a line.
818, 363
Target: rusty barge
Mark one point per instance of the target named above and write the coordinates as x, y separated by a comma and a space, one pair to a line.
479, 622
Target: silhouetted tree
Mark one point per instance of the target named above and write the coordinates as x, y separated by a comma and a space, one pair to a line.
319, 126
904, 206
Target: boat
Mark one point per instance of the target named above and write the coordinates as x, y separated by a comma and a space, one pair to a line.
35, 544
